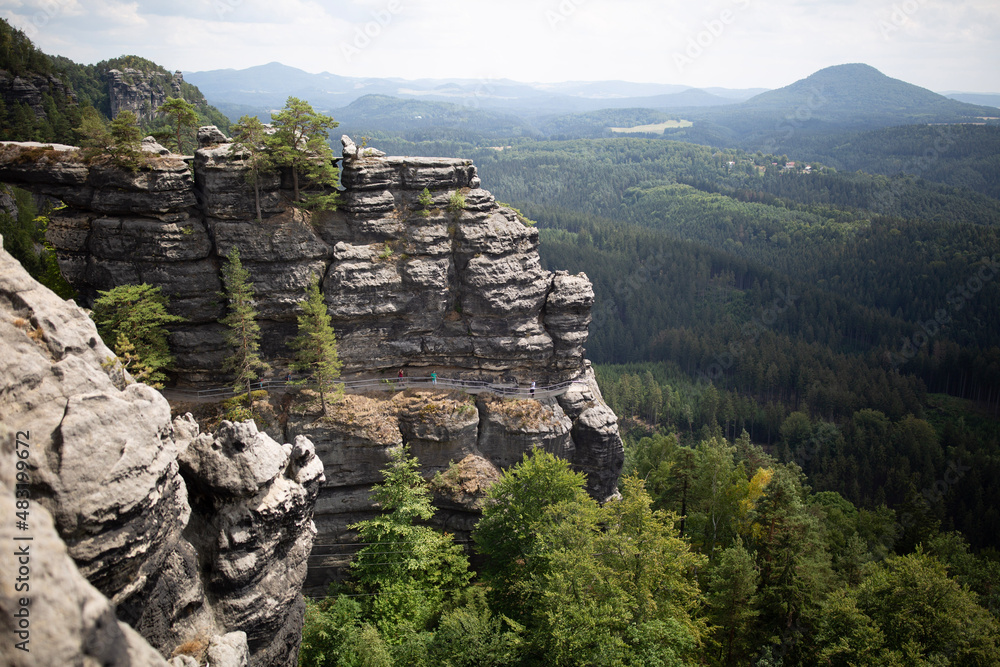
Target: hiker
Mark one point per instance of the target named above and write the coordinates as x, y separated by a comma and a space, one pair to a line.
532, 388
434, 377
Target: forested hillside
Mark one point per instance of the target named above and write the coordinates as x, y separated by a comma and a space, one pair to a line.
744, 292
71, 87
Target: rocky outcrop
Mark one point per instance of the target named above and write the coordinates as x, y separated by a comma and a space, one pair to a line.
31, 90
187, 535
455, 283
141, 92
451, 284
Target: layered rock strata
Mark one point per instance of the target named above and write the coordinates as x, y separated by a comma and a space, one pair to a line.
454, 284
189, 536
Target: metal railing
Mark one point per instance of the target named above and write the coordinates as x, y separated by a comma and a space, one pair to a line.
504, 390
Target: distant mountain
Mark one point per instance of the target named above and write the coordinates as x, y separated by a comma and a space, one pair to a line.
985, 99
845, 93
427, 120
266, 87
853, 97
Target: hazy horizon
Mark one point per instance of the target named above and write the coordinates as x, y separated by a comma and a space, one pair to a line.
728, 44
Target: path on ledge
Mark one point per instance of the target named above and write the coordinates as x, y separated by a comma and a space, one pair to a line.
503, 390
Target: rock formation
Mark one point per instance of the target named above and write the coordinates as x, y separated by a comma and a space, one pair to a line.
454, 286
141, 92
189, 536
30, 89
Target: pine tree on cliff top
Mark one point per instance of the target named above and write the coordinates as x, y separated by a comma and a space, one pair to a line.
300, 143
243, 336
183, 115
316, 348
249, 143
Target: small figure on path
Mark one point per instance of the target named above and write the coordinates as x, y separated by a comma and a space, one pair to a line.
532, 388
434, 377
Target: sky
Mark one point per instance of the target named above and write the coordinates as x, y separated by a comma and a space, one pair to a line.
944, 45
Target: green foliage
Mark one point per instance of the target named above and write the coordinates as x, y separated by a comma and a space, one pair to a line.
243, 334
300, 143
120, 141
407, 571
907, 611
250, 143
315, 347
517, 500
136, 317
24, 238
426, 201
456, 202
182, 114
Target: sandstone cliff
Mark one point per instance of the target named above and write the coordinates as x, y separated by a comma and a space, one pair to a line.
454, 289
188, 536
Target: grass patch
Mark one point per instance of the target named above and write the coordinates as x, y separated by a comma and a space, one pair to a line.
654, 128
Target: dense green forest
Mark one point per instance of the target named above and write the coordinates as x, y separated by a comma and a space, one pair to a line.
715, 553
741, 290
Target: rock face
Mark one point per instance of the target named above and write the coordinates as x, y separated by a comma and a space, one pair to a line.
447, 281
455, 283
187, 535
141, 92
30, 89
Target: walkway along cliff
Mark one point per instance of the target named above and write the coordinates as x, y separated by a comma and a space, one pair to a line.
458, 290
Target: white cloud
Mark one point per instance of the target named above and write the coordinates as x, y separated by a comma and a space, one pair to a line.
940, 44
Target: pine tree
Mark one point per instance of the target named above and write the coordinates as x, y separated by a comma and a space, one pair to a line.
300, 143
243, 336
183, 115
408, 571
316, 347
135, 317
249, 143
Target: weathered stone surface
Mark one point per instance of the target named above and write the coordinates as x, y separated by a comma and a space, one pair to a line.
219, 546
141, 92
512, 428
70, 622
408, 284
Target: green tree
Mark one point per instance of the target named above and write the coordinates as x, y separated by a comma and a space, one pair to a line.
732, 601
135, 318
407, 571
182, 114
504, 536
250, 144
316, 347
300, 143
243, 335
925, 615
121, 140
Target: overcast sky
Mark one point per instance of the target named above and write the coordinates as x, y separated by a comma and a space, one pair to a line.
938, 44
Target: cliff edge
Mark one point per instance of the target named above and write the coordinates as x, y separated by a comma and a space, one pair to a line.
194, 540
